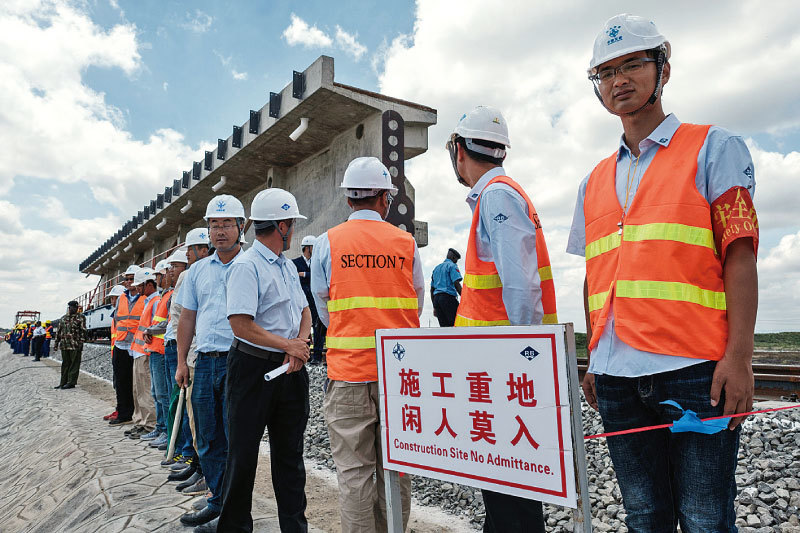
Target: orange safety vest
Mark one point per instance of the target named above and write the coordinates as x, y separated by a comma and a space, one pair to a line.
663, 274
482, 292
162, 315
48, 332
139, 345
113, 334
127, 320
372, 287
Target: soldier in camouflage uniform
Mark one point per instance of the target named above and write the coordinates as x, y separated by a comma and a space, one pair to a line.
71, 334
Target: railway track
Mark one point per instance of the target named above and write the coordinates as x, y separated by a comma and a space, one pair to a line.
772, 381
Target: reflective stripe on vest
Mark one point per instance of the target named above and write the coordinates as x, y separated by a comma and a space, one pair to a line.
365, 296
139, 345
127, 320
663, 272
161, 315
659, 231
482, 294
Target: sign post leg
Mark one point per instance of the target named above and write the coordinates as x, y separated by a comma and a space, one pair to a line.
583, 514
394, 505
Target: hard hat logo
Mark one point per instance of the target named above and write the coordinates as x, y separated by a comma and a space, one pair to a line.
286, 207
220, 206
496, 120
613, 32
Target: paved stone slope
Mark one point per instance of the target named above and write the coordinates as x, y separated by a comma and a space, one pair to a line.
63, 470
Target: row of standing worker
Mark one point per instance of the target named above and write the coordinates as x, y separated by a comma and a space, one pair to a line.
31, 338
669, 234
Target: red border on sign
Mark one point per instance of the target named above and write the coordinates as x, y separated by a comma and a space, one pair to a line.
552, 337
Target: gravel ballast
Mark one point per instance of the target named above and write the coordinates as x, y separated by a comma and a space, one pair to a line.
768, 474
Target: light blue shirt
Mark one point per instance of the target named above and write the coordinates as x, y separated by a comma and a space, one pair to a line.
444, 277
506, 236
266, 287
131, 302
321, 268
723, 162
203, 291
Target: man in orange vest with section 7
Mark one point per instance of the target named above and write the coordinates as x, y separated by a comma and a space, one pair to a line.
144, 409
366, 274
507, 276
669, 233
126, 319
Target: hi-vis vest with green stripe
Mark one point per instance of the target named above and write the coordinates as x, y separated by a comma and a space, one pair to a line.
662, 275
482, 292
371, 287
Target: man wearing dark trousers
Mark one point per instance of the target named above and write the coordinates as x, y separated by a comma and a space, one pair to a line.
303, 265
270, 319
126, 319
445, 285
71, 334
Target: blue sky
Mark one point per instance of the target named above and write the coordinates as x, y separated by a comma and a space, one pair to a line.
188, 43
104, 102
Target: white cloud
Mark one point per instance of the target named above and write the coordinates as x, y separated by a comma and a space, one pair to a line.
165, 86
349, 43
60, 129
529, 59
226, 62
300, 33
198, 22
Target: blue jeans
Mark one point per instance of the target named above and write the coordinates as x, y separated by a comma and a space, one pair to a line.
666, 478
211, 421
158, 388
183, 442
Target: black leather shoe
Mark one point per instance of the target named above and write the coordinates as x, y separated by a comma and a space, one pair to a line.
68, 386
183, 475
210, 527
190, 482
199, 518
59, 387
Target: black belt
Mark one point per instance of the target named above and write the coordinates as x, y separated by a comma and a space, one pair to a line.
213, 354
249, 349
172, 343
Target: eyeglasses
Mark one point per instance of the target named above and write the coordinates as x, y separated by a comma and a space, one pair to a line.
224, 227
628, 68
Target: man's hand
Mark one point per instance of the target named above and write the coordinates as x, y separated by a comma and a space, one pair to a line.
588, 390
297, 353
734, 375
148, 338
182, 375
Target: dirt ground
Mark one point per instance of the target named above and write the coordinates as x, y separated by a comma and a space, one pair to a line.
321, 490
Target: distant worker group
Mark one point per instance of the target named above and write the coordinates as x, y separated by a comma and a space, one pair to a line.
669, 235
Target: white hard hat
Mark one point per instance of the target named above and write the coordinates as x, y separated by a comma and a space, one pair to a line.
161, 267
308, 240
274, 204
487, 124
142, 275
178, 256
116, 290
133, 269
224, 206
197, 236
625, 34
366, 176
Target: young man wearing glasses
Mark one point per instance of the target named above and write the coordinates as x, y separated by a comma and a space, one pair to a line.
669, 233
